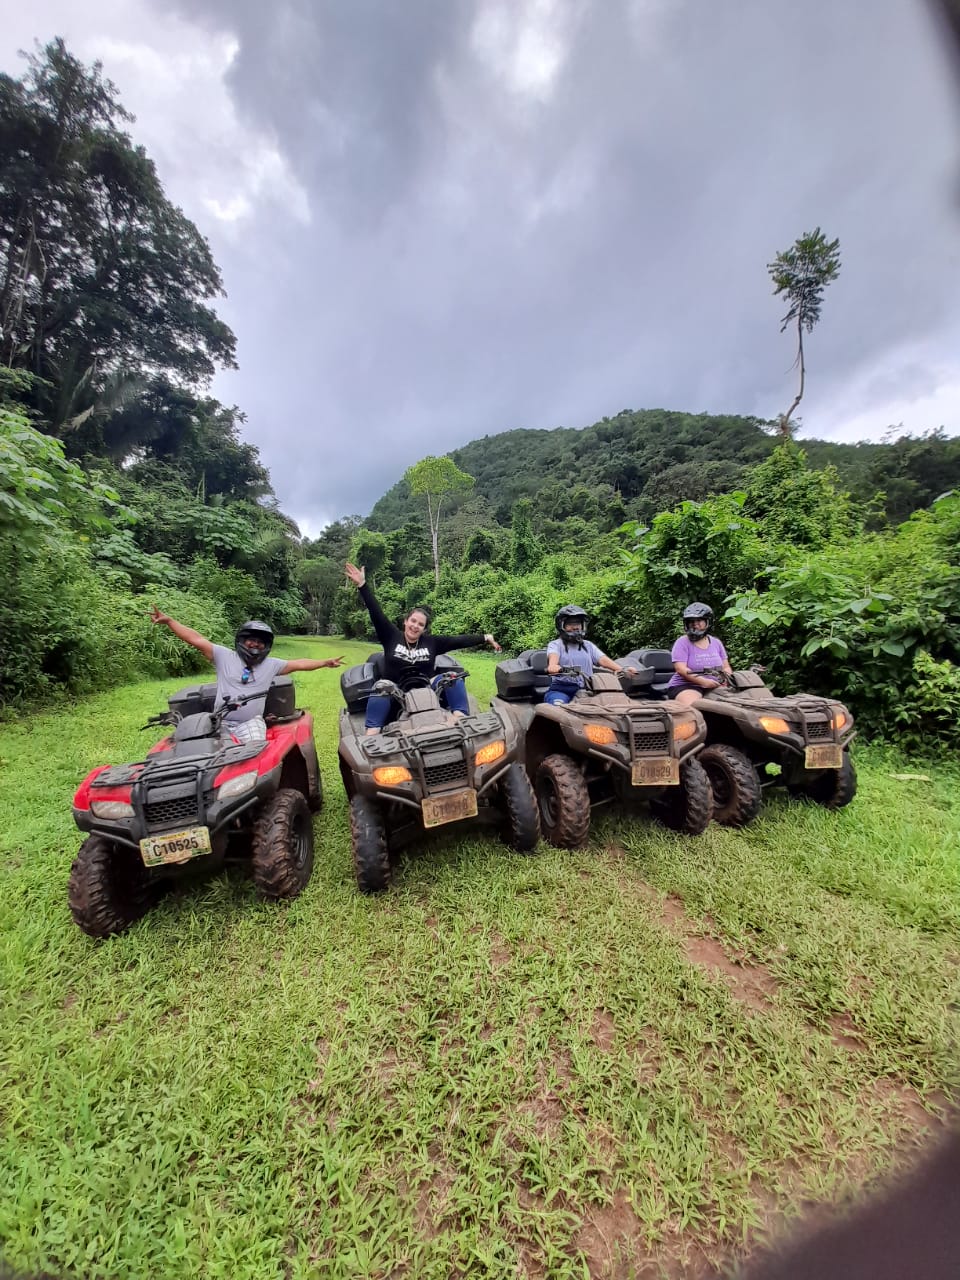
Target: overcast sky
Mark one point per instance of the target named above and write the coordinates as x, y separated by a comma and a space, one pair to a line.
440, 219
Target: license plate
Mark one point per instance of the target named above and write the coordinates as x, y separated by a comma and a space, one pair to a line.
656, 773
175, 846
827, 756
440, 809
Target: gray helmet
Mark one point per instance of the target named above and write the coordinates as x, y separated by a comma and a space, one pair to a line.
253, 630
571, 613
697, 612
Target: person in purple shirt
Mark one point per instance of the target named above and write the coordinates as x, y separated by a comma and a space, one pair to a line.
696, 651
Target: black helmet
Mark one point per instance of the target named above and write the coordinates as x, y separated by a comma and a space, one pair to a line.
696, 612
253, 630
571, 613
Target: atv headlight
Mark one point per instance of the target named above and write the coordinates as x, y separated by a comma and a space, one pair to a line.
391, 775
111, 809
839, 720
238, 786
600, 734
684, 729
774, 724
492, 751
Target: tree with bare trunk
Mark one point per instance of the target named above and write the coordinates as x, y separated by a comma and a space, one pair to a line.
435, 478
802, 272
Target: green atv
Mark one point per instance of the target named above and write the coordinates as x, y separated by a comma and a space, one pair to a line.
750, 728
603, 746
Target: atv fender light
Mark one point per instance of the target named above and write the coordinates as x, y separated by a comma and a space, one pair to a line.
238, 786
684, 729
839, 720
774, 724
111, 809
492, 751
600, 734
391, 775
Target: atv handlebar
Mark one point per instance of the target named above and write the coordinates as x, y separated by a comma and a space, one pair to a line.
390, 689
718, 674
168, 718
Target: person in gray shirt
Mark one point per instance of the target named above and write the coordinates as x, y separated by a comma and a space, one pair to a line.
243, 670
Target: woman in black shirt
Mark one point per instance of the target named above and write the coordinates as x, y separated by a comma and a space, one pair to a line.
409, 653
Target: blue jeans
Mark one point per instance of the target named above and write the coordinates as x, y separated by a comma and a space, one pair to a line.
381, 709
561, 690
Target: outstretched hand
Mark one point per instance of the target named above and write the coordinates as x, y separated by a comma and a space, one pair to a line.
333, 662
357, 576
488, 639
157, 616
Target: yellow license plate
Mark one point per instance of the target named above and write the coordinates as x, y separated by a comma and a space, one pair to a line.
827, 756
656, 773
440, 809
175, 846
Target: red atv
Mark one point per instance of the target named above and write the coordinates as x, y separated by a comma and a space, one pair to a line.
198, 796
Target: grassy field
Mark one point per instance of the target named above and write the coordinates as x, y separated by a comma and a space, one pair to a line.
634, 1060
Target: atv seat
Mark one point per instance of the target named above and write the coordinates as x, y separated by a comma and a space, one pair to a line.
524, 678
280, 706
655, 670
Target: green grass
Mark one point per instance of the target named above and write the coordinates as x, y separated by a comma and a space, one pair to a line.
572, 1064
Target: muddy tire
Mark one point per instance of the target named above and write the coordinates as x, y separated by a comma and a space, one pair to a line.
736, 788
282, 857
689, 807
109, 888
368, 838
834, 788
521, 817
315, 800
564, 802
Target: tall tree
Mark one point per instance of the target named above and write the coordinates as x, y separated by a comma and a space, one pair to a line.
103, 282
802, 272
434, 478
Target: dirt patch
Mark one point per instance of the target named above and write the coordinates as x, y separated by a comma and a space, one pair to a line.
69, 1000
545, 1109
751, 984
844, 1033
612, 1244
500, 953
603, 1030
431, 1201
904, 1102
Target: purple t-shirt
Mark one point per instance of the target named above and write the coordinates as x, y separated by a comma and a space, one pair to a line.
697, 659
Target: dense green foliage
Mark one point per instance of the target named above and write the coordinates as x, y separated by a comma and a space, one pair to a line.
120, 480
803, 579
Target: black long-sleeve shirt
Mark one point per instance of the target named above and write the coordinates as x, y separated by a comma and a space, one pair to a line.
409, 665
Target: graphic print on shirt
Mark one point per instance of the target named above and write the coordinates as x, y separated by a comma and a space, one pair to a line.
403, 653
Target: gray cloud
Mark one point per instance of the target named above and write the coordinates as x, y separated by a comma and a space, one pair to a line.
537, 214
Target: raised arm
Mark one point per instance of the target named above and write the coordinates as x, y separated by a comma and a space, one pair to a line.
386, 631
183, 632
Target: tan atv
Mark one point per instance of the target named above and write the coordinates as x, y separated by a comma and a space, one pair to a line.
426, 770
603, 746
750, 727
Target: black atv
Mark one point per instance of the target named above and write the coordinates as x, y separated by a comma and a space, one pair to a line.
198, 797
750, 727
603, 746
426, 770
